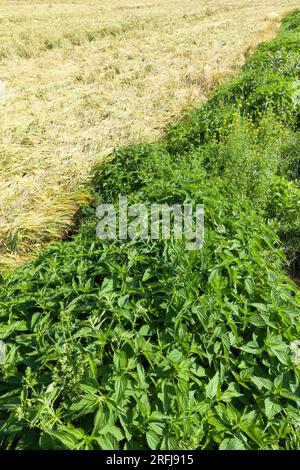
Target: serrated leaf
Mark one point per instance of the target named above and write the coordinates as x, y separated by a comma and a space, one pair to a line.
157, 427
212, 388
217, 423
84, 406
144, 330
90, 386
106, 442
258, 320
141, 375
107, 285
175, 356
284, 392
120, 387
122, 300
251, 347
231, 392
69, 437
153, 440
113, 430
272, 407
259, 306
262, 382
232, 444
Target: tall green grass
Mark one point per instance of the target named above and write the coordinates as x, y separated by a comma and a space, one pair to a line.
141, 344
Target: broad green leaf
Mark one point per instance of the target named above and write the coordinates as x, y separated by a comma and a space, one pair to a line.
120, 387
232, 444
262, 382
213, 386
272, 407
107, 442
141, 375
175, 356
153, 440
231, 392
113, 430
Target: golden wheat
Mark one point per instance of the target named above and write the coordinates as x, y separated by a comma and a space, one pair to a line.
83, 77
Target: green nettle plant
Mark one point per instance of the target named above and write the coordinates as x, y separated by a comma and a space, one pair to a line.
141, 344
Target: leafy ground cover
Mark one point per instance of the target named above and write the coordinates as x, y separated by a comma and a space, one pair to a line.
143, 344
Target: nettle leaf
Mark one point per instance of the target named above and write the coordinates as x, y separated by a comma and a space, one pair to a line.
233, 443
157, 427
257, 435
107, 442
258, 320
68, 436
68, 441
293, 415
85, 406
107, 285
120, 359
98, 420
143, 404
249, 418
90, 386
120, 387
231, 392
284, 392
122, 300
262, 381
153, 440
93, 372
272, 407
141, 375
144, 330
126, 426
246, 374
249, 285
278, 348
175, 356
261, 307
198, 372
251, 347
226, 341
218, 423
113, 430
212, 389
182, 394
168, 392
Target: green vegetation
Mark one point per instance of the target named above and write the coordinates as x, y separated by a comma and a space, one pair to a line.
142, 344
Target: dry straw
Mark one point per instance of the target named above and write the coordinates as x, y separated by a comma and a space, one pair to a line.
83, 77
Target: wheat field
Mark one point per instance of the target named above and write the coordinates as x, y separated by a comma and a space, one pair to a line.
82, 77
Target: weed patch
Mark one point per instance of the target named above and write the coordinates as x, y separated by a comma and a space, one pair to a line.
142, 344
